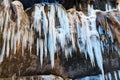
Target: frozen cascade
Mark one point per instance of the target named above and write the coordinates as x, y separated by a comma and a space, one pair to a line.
55, 30
62, 33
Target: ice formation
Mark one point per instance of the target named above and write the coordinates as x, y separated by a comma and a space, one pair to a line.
56, 30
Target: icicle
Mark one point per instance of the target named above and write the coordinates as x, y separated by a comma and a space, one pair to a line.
118, 7
2, 20
73, 40
119, 74
61, 37
86, 37
45, 29
41, 51
63, 34
109, 76
37, 46
31, 40
5, 37
15, 42
24, 41
8, 40
101, 77
115, 75
18, 34
3, 52
106, 77
98, 54
40, 18
6, 20
68, 51
100, 31
12, 37
52, 34
80, 40
37, 24
95, 41
106, 7
37, 18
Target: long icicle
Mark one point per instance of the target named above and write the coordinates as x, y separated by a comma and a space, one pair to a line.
52, 34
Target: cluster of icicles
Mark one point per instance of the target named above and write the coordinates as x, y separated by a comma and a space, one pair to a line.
55, 30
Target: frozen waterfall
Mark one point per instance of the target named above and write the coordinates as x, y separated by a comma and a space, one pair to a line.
53, 30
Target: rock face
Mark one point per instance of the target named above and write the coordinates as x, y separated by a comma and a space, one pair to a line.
48, 39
